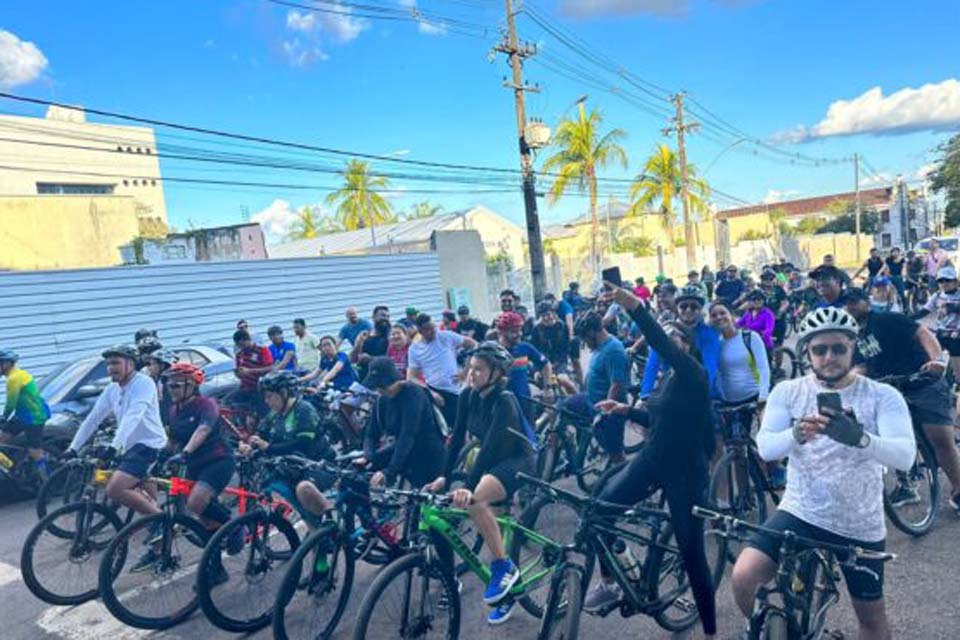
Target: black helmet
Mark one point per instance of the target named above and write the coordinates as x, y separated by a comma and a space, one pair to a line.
495, 354
691, 293
149, 344
8, 355
757, 296
164, 357
590, 321
121, 351
143, 333
544, 307
280, 382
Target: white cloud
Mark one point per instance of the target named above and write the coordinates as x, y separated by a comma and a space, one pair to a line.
341, 26
662, 8
21, 62
305, 22
302, 55
932, 107
923, 173
881, 179
276, 219
779, 195
424, 26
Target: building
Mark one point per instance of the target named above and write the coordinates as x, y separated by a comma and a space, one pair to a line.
72, 191
909, 219
215, 244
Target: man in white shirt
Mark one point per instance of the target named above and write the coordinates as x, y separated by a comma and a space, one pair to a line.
433, 358
837, 458
131, 398
307, 344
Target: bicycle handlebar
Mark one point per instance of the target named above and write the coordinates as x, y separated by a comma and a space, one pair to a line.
751, 405
583, 503
920, 376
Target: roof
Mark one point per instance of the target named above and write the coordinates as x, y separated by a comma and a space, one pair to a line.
806, 206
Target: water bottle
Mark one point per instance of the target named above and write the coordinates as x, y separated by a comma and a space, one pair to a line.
626, 561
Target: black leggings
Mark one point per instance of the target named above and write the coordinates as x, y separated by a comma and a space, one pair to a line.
683, 488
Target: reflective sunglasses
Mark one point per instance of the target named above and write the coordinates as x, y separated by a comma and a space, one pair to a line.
689, 306
820, 350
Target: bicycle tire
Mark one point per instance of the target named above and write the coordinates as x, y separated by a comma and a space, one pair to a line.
561, 617
773, 625
926, 465
410, 563
293, 579
723, 473
547, 461
66, 483
592, 463
113, 562
671, 565
29, 567
258, 525
529, 520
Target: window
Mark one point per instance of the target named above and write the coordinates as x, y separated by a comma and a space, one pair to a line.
885, 240
193, 356
57, 188
885, 216
174, 252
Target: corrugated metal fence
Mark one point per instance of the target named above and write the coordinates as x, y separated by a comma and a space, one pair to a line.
53, 316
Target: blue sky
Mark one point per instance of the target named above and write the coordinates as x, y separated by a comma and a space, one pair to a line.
424, 91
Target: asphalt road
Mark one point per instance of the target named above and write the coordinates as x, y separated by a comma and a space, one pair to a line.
922, 588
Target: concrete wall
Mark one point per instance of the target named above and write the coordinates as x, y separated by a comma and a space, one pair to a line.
496, 232
463, 265
65, 232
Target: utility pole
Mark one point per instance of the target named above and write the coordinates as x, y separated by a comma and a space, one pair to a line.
516, 54
856, 217
681, 128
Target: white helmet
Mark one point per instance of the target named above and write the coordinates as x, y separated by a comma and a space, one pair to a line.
823, 320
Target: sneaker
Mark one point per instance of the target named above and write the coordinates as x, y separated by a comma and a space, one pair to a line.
903, 495
602, 595
503, 575
443, 602
236, 541
146, 561
501, 613
955, 502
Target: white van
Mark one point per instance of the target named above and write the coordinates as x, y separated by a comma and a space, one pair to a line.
950, 244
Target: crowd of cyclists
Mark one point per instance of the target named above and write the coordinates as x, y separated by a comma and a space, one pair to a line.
667, 358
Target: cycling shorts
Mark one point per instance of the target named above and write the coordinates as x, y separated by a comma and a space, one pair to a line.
861, 585
137, 460
214, 475
506, 472
779, 331
931, 403
32, 433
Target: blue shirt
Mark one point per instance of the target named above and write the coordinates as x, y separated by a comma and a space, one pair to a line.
729, 290
563, 309
278, 352
351, 331
608, 366
346, 377
708, 343
525, 356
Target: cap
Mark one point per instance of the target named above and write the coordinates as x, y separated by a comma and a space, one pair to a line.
463, 310
881, 281
381, 372
946, 273
411, 311
853, 294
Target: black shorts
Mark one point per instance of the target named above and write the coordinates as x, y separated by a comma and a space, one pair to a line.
861, 585
32, 433
779, 331
949, 343
215, 475
137, 460
506, 472
931, 403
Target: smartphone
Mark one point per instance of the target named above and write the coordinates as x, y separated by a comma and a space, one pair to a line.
612, 275
829, 401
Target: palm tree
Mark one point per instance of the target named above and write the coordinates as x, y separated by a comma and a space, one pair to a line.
358, 203
583, 150
425, 209
660, 185
308, 224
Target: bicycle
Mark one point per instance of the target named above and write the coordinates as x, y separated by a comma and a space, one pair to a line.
806, 584
424, 593
19, 470
656, 587
914, 517
740, 485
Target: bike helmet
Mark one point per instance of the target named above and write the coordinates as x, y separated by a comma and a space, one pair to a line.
509, 320
495, 354
590, 321
8, 355
164, 357
756, 296
768, 274
149, 344
121, 351
691, 293
280, 382
544, 307
881, 281
185, 370
823, 320
144, 333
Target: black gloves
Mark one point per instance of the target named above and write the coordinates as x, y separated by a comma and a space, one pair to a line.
844, 428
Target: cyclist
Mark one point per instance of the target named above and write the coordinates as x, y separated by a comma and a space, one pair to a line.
334, 367
307, 346
893, 267
743, 374
131, 398
354, 326
731, 286
567, 315
25, 411
891, 344
491, 414
572, 296
399, 348
467, 326
775, 299
666, 303
883, 297
525, 357
829, 286
844, 277
675, 458
874, 265
284, 353
709, 280
156, 363
146, 345
551, 339
434, 358
252, 363
372, 345
946, 304
758, 318
693, 280
835, 477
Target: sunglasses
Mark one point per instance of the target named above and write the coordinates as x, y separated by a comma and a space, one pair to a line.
176, 385
820, 350
689, 306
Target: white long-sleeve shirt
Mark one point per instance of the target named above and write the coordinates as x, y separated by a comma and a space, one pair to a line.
831, 485
136, 408
737, 380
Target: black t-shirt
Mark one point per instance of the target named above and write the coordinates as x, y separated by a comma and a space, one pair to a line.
773, 299
895, 266
915, 267
888, 345
374, 345
552, 341
874, 265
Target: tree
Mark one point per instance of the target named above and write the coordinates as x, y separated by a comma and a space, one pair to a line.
425, 209
582, 150
639, 246
659, 186
809, 226
358, 203
846, 223
945, 178
309, 224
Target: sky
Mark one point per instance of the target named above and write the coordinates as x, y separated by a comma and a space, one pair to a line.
416, 81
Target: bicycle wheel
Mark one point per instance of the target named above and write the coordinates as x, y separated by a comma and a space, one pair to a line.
733, 491
670, 584
64, 486
63, 570
547, 459
561, 618
592, 461
410, 598
917, 513
773, 625
315, 587
789, 366
237, 592
553, 520
157, 594
634, 437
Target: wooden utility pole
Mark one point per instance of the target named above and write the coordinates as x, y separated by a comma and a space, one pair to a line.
856, 215
681, 128
516, 53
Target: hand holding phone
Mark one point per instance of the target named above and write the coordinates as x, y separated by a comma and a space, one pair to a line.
612, 275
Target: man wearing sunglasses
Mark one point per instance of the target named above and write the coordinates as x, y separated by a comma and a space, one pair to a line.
840, 430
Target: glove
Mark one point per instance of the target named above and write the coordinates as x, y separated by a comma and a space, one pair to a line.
844, 428
105, 453
68, 455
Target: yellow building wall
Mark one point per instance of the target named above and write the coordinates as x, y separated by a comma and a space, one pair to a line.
755, 222
843, 247
65, 232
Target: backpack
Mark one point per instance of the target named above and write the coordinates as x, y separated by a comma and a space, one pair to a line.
754, 369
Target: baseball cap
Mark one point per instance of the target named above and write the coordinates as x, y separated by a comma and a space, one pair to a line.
411, 311
463, 310
946, 273
381, 372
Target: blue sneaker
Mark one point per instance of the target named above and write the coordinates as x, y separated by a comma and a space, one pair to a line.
503, 575
501, 613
